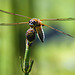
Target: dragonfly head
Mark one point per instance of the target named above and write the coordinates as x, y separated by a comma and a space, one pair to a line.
34, 22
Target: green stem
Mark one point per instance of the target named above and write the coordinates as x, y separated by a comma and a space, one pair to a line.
26, 57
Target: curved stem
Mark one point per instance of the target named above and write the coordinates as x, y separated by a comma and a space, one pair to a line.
27, 57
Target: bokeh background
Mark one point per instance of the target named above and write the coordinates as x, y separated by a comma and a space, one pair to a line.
56, 56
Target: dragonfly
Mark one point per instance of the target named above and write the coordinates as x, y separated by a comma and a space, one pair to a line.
37, 24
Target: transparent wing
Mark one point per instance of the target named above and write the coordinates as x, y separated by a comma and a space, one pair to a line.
13, 23
15, 14
59, 19
58, 30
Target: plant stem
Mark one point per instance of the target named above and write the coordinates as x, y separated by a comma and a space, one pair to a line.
26, 57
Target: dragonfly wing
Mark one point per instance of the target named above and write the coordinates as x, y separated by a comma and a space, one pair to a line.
58, 30
40, 33
15, 14
13, 23
58, 19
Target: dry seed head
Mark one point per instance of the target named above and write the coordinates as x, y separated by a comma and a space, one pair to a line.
30, 34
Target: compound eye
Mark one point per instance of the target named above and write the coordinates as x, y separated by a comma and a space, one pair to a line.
30, 22
34, 22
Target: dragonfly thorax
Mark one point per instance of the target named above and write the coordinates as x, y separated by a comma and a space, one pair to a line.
34, 22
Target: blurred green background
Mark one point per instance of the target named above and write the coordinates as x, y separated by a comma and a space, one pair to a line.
56, 56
